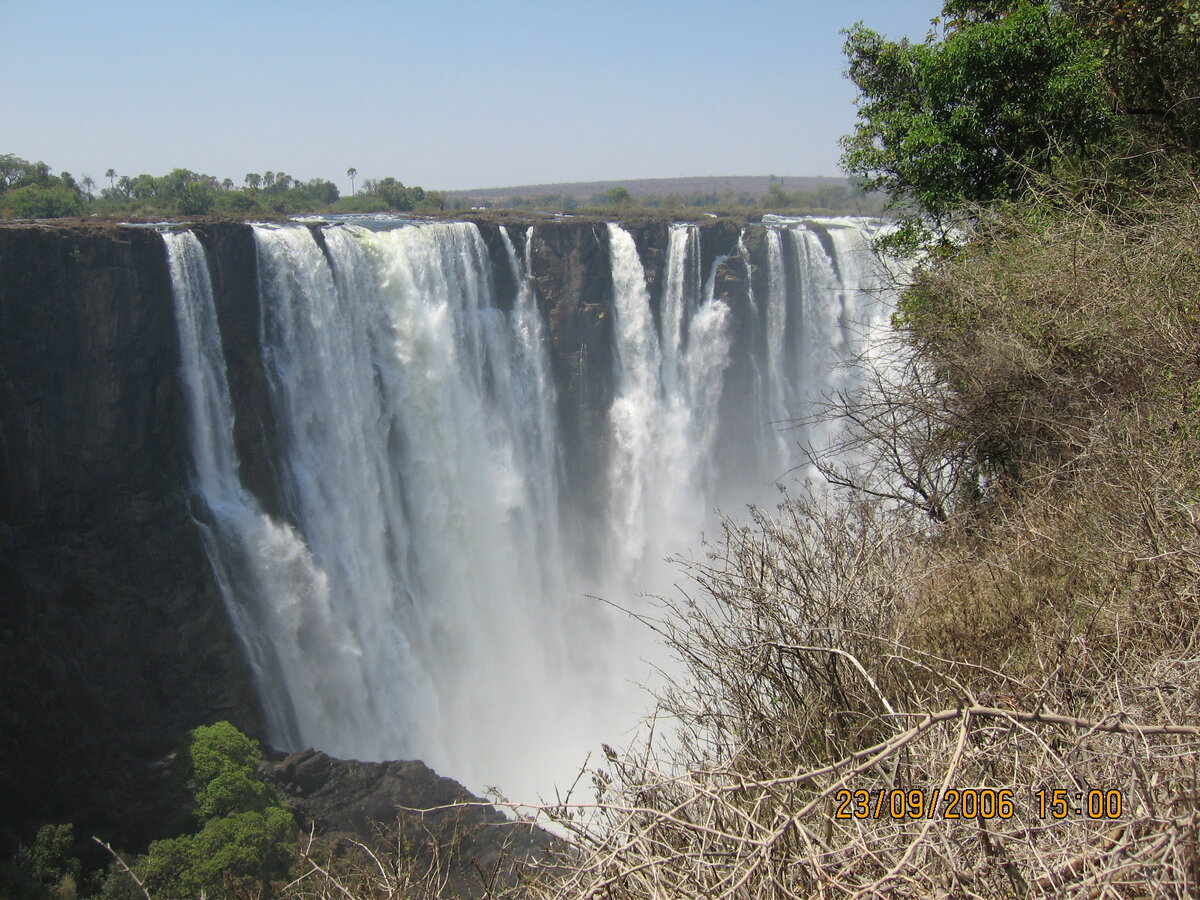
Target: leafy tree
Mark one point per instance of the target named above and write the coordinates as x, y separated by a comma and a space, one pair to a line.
49, 201
16, 172
618, 196
47, 869
231, 855
776, 197
1149, 53
245, 830
111, 175
317, 190
394, 193
1009, 88
218, 764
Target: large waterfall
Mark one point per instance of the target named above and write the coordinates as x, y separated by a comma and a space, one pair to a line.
427, 590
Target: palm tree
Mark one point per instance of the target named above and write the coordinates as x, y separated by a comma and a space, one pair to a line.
352, 172
111, 175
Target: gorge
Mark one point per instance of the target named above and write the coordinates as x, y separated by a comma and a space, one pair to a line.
356, 484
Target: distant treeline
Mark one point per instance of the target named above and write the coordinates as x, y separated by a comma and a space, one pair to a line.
827, 199
28, 190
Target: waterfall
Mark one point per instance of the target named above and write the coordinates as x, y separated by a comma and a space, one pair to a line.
418, 595
277, 596
665, 412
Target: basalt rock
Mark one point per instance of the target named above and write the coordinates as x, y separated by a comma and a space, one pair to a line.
112, 632
465, 844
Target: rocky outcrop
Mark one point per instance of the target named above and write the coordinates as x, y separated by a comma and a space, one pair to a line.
466, 845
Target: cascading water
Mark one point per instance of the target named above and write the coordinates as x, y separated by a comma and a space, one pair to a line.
421, 598
665, 412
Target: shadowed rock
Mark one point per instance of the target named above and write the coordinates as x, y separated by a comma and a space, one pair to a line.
467, 845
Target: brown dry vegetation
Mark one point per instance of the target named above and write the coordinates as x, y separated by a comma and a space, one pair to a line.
1001, 594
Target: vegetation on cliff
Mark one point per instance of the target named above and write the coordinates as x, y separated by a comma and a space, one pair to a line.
823, 199
29, 191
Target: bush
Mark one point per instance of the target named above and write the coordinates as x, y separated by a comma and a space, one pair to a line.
246, 833
37, 201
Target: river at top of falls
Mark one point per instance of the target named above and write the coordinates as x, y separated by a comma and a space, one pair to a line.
423, 597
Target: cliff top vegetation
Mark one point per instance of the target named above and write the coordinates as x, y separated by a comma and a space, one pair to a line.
29, 190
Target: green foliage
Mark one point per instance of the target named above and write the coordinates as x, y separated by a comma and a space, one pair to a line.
827, 198
245, 830
48, 869
394, 193
964, 119
217, 764
28, 190
618, 196
1149, 57
16, 172
37, 201
231, 855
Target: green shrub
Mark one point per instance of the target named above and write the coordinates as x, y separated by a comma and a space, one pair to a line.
245, 830
36, 201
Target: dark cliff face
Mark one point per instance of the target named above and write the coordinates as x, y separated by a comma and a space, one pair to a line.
113, 634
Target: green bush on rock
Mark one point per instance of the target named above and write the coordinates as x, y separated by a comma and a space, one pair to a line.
246, 833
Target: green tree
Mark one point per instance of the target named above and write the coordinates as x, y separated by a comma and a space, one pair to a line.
350, 173
777, 197
1008, 89
49, 201
111, 175
245, 830
618, 196
16, 172
1149, 52
394, 193
47, 870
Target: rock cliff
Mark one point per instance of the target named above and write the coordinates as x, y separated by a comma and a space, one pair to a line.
112, 632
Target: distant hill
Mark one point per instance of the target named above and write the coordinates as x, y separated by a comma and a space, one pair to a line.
753, 185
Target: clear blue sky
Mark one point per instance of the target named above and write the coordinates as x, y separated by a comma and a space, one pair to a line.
446, 94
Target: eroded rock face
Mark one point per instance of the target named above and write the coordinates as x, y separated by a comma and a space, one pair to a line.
461, 840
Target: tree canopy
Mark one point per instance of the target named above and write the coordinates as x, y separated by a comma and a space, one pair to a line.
244, 828
1004, 90
963, 118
